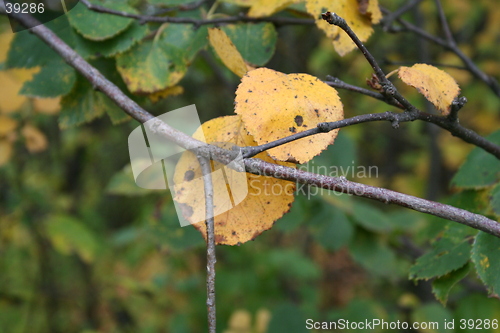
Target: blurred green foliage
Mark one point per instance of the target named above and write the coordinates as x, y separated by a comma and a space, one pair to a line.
83, 249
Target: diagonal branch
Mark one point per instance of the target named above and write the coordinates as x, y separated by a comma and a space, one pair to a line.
341, 184
252, 165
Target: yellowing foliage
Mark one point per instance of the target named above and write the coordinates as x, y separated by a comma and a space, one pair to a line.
227, 52
261, 8
35, 139
266, 201
49, 106
436, 85
274, 105
360, 15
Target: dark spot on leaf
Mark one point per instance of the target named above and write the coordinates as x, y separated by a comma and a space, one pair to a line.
189, 175
299, 120
250, 91
292, 129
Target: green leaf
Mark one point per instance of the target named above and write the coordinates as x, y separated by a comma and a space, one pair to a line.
450, 252
358, 310
337, 160
99, 26
124, 41
287, 318
485, 256
28, 51
480, 169
441, 286
331, 228
79, 106
69, 235
434, 316
370, 218
155, 65
297, 214
255, 42
151, 67
473, 312
373, 254
123, 183
495, 199
54, 79
186, 38
167, 3
84, 104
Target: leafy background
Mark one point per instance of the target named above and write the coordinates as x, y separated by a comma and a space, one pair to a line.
85, 250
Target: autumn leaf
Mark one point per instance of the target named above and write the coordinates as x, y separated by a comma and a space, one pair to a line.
49, 106
436, 85
261, 8
35, 139
352, 12
7, 125
227, 52
266, 200
274, 105
162, 94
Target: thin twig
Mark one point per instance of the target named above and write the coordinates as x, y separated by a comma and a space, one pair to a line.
444, 24
198, 22
388, 19
255, 166
182, 8
449, 123
337, 83
468, 63
211, 257
389, 90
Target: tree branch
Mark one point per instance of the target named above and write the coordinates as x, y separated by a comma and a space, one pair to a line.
255, 166
211, 257
389, 90
468, 63
388, 19
198, 22
340, 184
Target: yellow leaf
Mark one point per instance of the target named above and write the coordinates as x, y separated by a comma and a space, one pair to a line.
371, 8
170, 91
240, 322
349, 10
49, 106
5, 151
436, 85
266, 201
7, 125
9, 89
274, 105
261, 8
5, 39
227, 52
35, 140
